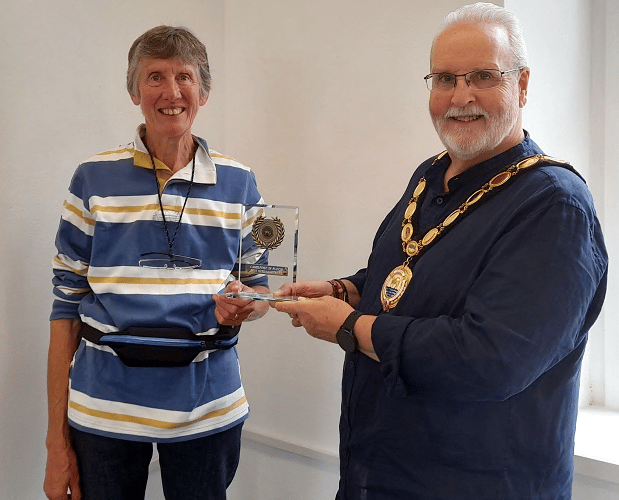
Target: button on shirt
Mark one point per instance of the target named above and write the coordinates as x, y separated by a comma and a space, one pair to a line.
476, 392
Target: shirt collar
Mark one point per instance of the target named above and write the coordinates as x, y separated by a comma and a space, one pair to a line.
205, 172
480, 173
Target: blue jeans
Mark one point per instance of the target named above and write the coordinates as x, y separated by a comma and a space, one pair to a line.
197, 469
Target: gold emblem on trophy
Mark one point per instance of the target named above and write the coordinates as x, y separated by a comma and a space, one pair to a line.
268, 233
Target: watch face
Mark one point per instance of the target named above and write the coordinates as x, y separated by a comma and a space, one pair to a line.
346, 340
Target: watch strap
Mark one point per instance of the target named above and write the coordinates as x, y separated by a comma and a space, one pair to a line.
345, 336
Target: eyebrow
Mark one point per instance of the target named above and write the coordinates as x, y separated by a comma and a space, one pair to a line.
475, 68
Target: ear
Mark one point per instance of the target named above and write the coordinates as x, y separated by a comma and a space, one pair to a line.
203, 99
135, 99
523, 85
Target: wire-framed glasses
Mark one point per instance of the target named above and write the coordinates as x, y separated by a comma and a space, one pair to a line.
479, 79
160, 260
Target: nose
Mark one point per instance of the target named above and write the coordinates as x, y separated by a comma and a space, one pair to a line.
462, 93
172, 90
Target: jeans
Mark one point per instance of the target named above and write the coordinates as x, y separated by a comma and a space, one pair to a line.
196, 469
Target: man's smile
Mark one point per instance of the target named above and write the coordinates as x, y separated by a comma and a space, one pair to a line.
468, 118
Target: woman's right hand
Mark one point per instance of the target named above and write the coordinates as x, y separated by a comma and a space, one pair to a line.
61, 475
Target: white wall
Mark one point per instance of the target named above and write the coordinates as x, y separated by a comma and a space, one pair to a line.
323, 99
606, 109
326, 101
559, 46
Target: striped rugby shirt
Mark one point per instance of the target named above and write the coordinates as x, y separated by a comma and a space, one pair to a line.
110, 217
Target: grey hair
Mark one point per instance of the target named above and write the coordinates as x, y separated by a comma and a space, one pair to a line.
167, 42
488, 13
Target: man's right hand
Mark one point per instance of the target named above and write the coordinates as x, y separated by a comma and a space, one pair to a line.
61, 475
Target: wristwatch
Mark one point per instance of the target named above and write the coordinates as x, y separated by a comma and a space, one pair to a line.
344, 336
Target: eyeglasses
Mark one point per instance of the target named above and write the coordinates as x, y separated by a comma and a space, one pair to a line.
158, 260
480, 79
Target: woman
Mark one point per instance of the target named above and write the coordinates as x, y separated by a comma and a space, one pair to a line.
148, 240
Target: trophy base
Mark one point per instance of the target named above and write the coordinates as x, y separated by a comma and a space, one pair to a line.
261, 296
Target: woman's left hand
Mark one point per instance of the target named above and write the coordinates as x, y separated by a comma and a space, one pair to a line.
233, 311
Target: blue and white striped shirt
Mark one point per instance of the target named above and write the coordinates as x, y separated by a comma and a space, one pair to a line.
110, 218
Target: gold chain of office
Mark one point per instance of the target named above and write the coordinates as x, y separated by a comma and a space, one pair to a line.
398, 280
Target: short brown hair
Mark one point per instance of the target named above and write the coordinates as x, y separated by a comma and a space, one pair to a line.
167, 42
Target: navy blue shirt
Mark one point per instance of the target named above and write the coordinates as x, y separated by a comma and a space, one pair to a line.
476, 393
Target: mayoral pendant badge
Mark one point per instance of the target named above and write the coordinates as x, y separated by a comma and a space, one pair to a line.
394, 286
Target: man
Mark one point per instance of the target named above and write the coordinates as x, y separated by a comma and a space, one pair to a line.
470, 321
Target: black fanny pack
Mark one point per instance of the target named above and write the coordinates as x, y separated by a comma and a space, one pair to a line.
160, 347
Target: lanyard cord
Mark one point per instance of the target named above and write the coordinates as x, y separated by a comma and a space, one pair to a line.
165, 223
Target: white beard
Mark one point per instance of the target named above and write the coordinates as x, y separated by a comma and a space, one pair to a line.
466, 146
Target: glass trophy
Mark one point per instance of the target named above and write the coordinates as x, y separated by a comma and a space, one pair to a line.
268, 247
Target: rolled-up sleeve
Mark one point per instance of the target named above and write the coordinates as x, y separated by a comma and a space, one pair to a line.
523, 313
73, 245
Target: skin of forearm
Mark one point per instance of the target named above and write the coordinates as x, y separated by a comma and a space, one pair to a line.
353, 293
363, 333
64, 341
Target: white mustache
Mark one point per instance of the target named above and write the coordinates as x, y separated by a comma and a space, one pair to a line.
473, 110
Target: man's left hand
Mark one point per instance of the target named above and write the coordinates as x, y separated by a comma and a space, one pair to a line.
321, 317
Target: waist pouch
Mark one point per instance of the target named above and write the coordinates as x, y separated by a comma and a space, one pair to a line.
160, 347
